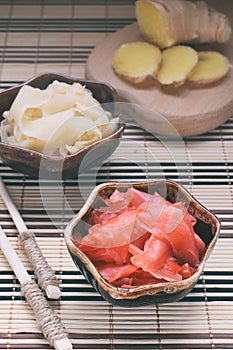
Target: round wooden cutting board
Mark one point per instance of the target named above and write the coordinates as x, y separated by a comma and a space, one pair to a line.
190, 110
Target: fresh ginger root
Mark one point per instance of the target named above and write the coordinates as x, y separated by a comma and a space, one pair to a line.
212, 66
178, 62
168, 22
136, 61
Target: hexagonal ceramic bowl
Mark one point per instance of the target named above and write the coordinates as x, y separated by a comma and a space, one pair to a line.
37, 164
207, 227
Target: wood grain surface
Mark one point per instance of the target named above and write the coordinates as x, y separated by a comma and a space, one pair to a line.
190, 110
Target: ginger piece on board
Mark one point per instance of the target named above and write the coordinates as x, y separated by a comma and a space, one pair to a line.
136, 61
169, 22
211, 67
178, 62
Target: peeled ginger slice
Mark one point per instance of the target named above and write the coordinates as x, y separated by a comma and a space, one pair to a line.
212, 66
136, 61
178, 63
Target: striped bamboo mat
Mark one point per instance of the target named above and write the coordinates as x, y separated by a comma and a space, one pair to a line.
57, 36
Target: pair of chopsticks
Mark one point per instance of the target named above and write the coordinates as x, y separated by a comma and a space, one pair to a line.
47, 319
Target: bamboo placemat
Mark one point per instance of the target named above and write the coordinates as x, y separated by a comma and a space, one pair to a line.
57, 36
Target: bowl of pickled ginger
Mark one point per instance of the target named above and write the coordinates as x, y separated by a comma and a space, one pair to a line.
142, 243
55, 126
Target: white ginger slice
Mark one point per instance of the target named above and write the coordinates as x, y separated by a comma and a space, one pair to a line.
212, 66
136, 61
178, 63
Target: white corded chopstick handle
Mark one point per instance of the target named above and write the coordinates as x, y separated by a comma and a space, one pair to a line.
47, 319
45, 275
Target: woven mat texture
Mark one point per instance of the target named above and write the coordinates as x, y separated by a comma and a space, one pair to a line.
57, 36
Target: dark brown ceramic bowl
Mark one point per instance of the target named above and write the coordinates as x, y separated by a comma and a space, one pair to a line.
37, 164
207, 227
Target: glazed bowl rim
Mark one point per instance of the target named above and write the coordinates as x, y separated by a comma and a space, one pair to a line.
131, 293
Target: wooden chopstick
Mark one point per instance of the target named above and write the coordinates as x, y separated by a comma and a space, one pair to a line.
47, 319
45, 275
